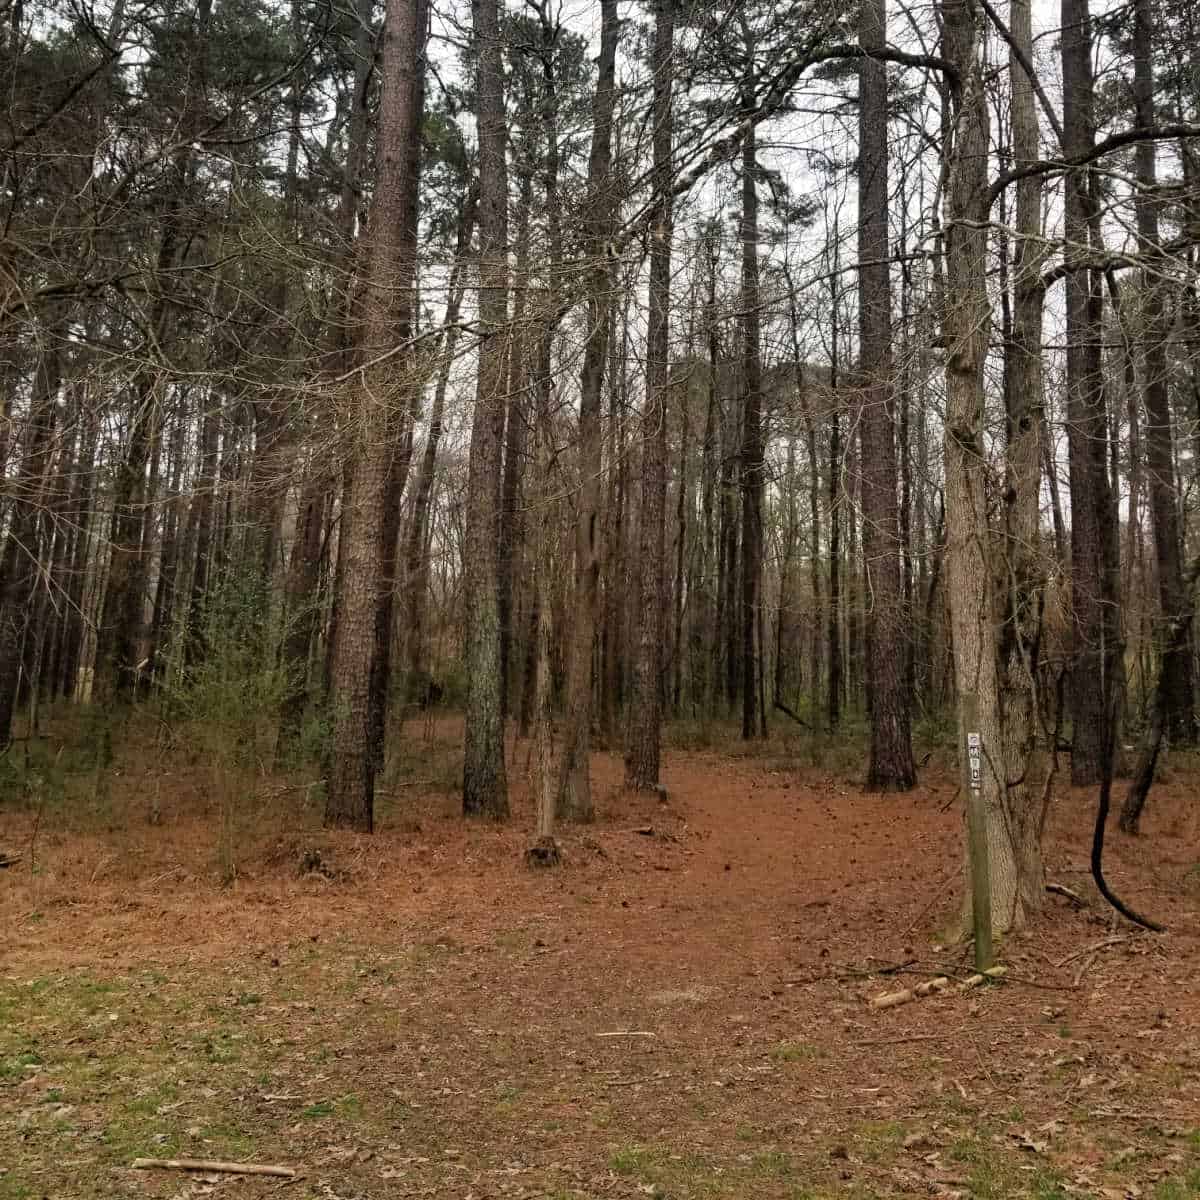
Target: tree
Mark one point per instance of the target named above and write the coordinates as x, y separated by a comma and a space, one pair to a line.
125, 595
752, 431
1174, 661
1020, 582
1094, 575
575, 797
21, 552
485, 789
645, 718
966, 317
891, 766
382, 393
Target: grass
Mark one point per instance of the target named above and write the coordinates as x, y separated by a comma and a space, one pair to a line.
1183, 1187
791, 1052
774, 1163
199, 1064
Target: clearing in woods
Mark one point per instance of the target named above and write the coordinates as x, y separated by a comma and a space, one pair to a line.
680, 1011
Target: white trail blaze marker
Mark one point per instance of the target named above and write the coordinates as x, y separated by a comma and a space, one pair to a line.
977, 844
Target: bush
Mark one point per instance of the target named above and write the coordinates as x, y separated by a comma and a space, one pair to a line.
223, 686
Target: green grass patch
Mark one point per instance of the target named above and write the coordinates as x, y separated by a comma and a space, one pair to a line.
790, 1052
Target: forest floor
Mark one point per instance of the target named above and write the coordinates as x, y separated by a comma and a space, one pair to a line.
681, 1010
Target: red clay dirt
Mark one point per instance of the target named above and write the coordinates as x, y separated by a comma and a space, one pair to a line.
680, 1010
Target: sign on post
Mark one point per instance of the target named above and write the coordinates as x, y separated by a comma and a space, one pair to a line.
977, 844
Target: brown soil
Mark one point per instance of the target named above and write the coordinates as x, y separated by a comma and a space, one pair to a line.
678, 1010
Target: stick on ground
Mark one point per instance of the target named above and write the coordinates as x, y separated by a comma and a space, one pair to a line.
1060, 889
940, 984
1100, 945
204, 1164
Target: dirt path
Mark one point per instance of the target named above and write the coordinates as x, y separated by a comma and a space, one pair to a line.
677, 1013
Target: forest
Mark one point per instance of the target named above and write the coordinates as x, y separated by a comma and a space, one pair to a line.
554, 554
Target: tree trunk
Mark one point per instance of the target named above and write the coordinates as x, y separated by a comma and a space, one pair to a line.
546, 784
1021, 579
300, 599
512, 517
834, 704
965, 320
73, 625
125, 597
389, 263
615, 558
575, 796
1175, 662
752, 432
413, 367
643, 744
201, 518
20, 561
276, 420
682, 499
709, 486
485, 789
1093, 593
416, 557
891, 766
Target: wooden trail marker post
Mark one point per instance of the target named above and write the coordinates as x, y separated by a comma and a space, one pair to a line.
977, 844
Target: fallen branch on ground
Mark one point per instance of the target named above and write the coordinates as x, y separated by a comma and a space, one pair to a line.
839, 973
900, 1041
1100, 945
204, 1164
628, 1033
1061, 889
930, 986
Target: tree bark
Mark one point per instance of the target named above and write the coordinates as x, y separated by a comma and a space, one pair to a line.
891, 766
1022, 577
834, 703
383, 390
1174, 661
405, 414
752, 431
485, 788
965, 321
643, 746
575, 797
615, 555
1093, 591
520, 413
416, 557
20, 561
